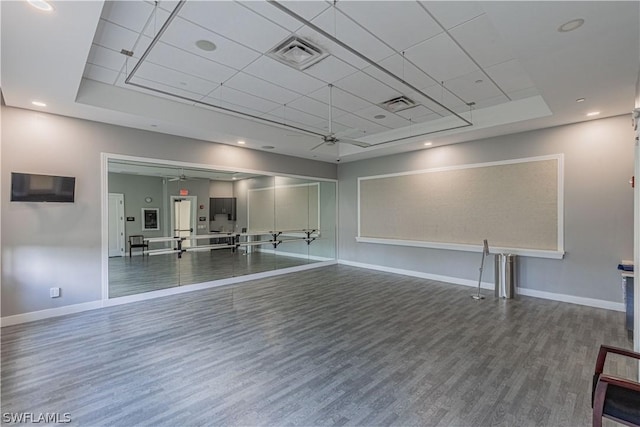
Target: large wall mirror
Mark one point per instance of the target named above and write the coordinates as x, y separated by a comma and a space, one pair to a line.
209, 225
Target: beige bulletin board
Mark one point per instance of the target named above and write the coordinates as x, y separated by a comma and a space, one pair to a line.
284, 208
516, 205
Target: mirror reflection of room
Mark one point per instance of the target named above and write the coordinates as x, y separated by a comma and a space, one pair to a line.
211, 225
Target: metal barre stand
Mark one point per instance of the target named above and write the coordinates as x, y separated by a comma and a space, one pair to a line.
235, 241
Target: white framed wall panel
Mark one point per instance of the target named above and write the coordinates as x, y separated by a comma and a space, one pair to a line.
516, 204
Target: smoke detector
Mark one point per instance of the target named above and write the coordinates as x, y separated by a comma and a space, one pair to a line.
297, 53
398, 104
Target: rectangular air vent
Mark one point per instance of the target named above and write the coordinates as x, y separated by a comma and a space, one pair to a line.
297, 53
398, 104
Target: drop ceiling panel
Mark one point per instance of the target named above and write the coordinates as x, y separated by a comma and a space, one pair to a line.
114, 36
235, 22
390, 120
523, 93
175, 79
245, 107
481, 40
237, 97
131, 15
441, 58
355, 122
306, 9
348, 32
510, 76
343, 100
452, 13
184, 34
416, 114
291, 122
273, 14
467, 88
403, 69
290, 114
273, 71
157, 87
179, 60
330, 69
416, 26
367, 87
333, 48
311, 106
100, 74
262, 88
106, 58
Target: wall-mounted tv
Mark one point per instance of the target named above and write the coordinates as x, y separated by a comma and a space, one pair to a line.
27, 187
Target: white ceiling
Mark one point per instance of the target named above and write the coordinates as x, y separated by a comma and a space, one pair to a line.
508, 59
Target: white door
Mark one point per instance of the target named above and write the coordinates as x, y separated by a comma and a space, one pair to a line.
182, 218
116, 225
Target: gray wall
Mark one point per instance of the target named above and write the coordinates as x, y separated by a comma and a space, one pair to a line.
135, 189
46, 245
598, 207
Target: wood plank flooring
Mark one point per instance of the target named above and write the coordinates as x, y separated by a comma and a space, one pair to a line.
332, 346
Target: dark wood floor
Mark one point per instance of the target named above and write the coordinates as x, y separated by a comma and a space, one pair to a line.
139, 274
331, 346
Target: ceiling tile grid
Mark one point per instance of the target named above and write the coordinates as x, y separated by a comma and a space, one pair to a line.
433, 48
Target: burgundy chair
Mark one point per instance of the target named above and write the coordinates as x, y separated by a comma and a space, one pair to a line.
613, 397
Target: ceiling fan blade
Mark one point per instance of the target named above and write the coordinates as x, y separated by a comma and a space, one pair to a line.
318, 146
357, 143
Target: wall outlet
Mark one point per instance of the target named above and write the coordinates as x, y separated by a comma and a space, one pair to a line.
54, 292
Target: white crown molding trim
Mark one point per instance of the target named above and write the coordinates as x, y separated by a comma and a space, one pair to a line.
590, 302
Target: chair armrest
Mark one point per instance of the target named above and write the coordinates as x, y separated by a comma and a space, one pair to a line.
602, 355
620, 382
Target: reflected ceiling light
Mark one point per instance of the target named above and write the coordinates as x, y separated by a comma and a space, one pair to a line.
580, 100
593, 113
241, 142
206, 45
574, 24
428, 144
42, 5
38, 103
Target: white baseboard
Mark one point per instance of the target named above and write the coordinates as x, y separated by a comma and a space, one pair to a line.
591, 302
77, 308
294, 255
49, 312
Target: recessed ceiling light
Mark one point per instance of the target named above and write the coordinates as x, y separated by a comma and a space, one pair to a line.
593, 113
38, 103
268, 147
241, 142
428, 143
379, 116
43, 5
206, 45
234, 178
580, 100
574, 24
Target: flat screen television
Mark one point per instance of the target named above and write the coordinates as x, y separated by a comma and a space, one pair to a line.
27, 187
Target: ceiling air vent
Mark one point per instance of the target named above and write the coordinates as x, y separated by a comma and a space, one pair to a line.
297, 53
398, 104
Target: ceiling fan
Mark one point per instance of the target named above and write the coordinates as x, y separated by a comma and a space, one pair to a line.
181, 177
331, 139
